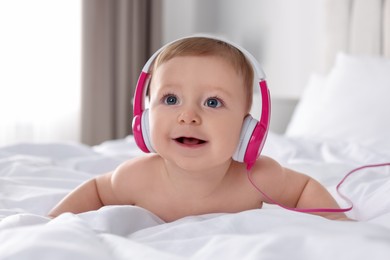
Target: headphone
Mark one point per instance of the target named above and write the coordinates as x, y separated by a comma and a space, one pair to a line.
253, 132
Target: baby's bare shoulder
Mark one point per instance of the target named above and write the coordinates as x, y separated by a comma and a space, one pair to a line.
268, 172
123, 185
132, 176
266, 165
137, 167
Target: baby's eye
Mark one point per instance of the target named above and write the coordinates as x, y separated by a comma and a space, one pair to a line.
170, 99
213, 102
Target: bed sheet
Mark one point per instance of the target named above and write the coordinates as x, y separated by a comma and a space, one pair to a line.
34, 177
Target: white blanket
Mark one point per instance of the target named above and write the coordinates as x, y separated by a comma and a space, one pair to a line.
34, 177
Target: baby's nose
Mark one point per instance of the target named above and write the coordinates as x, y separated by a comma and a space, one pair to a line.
189, 117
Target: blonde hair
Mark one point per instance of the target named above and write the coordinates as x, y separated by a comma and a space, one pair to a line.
211, 47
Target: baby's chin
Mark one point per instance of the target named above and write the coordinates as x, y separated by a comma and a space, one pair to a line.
200, 166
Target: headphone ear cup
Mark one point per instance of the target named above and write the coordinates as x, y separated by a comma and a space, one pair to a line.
141, 132
146, 131
137, 132
246, 134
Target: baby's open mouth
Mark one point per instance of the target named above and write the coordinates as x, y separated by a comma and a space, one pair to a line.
189, 140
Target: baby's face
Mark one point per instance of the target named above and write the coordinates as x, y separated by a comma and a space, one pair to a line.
197, 108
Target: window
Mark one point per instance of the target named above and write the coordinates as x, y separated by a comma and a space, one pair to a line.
40, 63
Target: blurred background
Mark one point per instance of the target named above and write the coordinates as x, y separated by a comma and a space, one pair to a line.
68, 68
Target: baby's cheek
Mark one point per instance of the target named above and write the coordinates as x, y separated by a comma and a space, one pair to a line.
230, 140
156, 130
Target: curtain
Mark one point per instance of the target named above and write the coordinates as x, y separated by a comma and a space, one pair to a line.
356, 27
118, 37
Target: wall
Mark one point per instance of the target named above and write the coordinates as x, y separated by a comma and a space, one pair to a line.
284, 35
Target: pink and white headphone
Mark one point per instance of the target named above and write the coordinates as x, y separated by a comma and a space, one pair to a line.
253, 132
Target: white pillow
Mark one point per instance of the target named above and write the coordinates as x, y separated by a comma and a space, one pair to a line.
353, 105
307, 108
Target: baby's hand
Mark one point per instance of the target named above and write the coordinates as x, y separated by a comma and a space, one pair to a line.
346, 219
340, 218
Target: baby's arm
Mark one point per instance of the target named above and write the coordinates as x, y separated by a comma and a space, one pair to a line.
114, 188
314, 195
91, 195
295, 190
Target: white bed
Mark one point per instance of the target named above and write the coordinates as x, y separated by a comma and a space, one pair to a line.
349, 126
34, 177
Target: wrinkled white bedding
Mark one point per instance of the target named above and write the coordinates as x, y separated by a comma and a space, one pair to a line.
34, 177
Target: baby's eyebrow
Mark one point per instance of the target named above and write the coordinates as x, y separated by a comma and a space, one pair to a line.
209, 88
167, 86
221, 89
162, 88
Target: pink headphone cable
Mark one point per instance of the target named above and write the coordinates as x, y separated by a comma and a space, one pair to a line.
249, 174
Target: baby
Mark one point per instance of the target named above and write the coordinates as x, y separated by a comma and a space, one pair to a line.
200, 93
